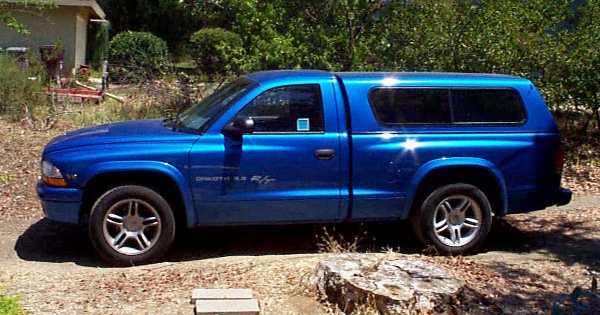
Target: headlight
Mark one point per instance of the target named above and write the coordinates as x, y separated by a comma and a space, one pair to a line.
51, 175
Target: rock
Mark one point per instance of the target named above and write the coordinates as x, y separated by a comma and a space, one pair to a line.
358, 283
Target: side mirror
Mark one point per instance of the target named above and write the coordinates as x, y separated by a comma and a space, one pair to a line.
238, 126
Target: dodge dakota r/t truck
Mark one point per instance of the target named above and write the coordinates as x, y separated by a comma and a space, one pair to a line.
446, 151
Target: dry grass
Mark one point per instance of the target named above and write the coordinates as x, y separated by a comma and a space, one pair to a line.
337, 243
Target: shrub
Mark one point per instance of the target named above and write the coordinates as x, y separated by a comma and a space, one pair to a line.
217, 51
137, 56
18, 94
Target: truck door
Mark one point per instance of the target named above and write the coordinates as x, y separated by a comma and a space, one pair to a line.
287, 170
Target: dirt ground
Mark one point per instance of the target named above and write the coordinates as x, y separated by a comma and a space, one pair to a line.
528, 261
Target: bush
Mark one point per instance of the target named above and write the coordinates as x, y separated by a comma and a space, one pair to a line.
137, 56
18, 94
217, 51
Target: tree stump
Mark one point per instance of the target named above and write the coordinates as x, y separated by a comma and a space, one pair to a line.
358, 283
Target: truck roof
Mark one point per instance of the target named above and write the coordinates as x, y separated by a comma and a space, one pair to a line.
266, 76
390, 78
425, 75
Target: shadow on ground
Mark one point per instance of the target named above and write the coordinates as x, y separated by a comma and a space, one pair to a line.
292, 239
49, 241
568, 241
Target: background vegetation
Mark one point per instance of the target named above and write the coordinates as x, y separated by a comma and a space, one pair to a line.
554, 43
8, 8
136, 56
18, 94
216, 51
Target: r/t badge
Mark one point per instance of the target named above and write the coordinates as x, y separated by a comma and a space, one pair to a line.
261, 180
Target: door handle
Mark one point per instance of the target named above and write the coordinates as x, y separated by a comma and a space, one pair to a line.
324, 154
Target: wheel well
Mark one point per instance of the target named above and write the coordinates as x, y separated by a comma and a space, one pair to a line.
476, 176
161, 183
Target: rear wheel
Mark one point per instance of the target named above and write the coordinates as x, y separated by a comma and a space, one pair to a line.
131, 225
454, 218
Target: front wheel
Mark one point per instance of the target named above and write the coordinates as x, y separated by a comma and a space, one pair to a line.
454, 218
131, 225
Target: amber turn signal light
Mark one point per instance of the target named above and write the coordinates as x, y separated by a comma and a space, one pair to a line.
59, 182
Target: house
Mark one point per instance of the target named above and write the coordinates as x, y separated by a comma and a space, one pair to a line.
68, 21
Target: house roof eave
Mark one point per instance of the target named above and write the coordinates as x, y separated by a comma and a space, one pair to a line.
91, 4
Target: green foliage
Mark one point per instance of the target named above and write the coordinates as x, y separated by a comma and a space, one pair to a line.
168, 19
55, 51
9, 305
37, 68
554, 43
97, 45
8, 8
572, 81
295, 34
217, 51
18, 94
137, 56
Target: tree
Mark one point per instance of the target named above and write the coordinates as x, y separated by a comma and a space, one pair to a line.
572, 76
168, 19
553, 43
216, 51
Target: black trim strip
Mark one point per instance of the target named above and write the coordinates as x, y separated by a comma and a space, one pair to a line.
350, 150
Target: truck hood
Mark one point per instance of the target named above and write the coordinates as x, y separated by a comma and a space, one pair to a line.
122, 132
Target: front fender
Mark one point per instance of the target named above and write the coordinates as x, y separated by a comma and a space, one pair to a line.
448, 163
150, 166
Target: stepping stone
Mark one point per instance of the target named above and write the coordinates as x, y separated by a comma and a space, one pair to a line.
229, 307
225, 301
216, 294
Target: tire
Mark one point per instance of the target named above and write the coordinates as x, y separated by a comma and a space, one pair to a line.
454, 218
131, 225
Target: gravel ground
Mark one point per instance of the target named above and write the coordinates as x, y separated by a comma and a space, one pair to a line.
529, 260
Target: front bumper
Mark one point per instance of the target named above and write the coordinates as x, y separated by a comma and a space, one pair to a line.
60, 204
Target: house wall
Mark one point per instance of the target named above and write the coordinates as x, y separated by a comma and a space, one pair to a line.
66, 22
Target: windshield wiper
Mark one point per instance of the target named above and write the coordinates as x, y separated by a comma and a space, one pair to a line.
172, 123
176, 123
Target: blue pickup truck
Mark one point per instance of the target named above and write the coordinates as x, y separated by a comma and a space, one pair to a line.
446, 151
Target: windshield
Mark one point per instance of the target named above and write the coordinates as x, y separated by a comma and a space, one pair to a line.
201, 115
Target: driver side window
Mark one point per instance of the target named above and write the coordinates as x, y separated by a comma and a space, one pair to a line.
294, 108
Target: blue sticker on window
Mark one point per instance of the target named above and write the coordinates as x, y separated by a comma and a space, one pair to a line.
302, 124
